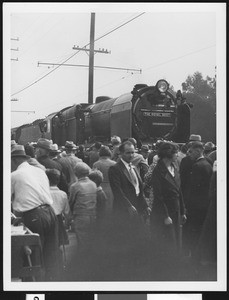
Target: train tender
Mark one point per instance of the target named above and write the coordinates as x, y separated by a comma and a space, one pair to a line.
146, 113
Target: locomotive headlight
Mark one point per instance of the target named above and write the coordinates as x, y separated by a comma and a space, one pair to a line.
162, 86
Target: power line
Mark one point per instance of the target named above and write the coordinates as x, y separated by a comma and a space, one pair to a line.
42, 36
114, 81
99, 67
158, 65
74, 55
179, 57
119, 26
44, 75
24, 111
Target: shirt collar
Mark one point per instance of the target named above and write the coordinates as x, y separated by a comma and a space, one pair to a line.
127, 165
54, 187
70, 154
200, 158
24, 164
83, 178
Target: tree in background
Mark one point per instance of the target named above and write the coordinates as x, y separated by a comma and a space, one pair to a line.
202, 94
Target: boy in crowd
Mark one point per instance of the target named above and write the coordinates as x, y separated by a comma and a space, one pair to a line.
60, 204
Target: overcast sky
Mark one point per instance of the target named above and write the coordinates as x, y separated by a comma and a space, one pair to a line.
167, 41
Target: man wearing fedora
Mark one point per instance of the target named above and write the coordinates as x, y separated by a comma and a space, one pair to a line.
31, 198
54, 153
186, 166
42, 151
69, 161
198, 198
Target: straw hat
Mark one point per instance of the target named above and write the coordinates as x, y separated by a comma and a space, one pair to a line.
13, 143
44, 144
54, 148
70, 145
195, 138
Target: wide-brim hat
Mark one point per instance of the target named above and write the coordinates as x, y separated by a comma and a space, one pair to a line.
195, 138
44, 144
209, 146
54, 148
19, 151
13, 143
70, 145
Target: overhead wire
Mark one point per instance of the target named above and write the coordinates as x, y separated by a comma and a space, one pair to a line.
163, 63
119, 26
44, 34
131, 74
34, 26
179, 57
36, 81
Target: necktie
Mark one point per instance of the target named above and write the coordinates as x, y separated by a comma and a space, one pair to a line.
133, 176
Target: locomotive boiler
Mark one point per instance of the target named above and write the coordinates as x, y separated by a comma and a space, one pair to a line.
146, 113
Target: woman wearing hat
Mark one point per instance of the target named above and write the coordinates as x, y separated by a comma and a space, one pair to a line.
168, 211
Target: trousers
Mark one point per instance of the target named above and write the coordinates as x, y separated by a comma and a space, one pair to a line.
42, 220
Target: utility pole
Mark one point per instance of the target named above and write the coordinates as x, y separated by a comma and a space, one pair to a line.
92, 51
91, 60
91, 66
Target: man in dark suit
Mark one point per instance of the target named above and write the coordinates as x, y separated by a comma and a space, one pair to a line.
198, 198
186, 167
130, 208
126, 184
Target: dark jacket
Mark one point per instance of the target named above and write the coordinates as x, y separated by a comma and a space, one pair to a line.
168, 202
185, 175
168, 199
199, 185
123, 189
49, 163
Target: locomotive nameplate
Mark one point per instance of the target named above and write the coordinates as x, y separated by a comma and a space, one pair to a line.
156, 114
162, 124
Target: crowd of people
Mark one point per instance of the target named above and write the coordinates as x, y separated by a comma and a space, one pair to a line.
157, 202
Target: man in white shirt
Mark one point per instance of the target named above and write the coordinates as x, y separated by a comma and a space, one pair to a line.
30, 196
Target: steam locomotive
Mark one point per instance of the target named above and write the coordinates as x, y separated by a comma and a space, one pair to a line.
146, 113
